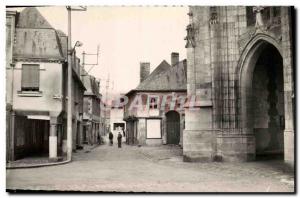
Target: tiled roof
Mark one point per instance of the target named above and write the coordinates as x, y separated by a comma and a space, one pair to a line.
30, 17
165, 77
36, 38
90, 84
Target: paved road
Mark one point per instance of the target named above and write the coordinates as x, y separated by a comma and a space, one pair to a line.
150, 169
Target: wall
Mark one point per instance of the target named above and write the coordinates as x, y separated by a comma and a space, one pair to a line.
198, 134
145, 113
219, 44
50, 98
10, 34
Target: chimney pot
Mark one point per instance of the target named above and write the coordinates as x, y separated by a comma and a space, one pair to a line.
174, 58
144, 70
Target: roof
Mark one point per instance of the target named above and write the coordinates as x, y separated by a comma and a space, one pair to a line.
36, 38
164, 78
63, 38
91, 85
30, 17
149, 82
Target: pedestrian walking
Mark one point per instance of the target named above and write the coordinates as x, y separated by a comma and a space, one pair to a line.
98, 139
111, 137
119, 140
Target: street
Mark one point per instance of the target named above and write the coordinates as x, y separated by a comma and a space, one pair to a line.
150, 169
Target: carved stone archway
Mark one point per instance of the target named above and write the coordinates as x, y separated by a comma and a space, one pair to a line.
258, 49
244, 71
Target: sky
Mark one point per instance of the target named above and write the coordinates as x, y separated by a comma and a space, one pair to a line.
126, 36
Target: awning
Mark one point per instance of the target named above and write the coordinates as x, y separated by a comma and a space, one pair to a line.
38, 117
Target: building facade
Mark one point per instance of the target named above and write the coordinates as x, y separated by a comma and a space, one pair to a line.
91, 116
117, 124
36, 103
154, 114
240, 64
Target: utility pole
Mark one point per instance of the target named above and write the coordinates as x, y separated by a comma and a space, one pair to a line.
69, 116
70, 53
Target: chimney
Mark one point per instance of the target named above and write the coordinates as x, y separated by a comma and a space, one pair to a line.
174, 58
144, 70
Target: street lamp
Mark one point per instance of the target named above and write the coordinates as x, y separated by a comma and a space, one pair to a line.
78, 44
70, 52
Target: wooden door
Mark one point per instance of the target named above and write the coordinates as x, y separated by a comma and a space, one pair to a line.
173, 127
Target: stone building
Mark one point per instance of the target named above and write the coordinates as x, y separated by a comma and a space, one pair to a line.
91, 113
117, 124
240, 63
158, 117
36, 87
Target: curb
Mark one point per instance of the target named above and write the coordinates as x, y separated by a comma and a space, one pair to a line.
39, 165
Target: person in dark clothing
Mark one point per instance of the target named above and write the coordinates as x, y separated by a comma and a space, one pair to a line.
119, 140
98, 139
123, 132
111, 137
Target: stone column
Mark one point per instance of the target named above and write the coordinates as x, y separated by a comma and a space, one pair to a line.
53, 139
198, 134
288, 69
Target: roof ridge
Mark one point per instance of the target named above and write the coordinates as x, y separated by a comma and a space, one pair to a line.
31, 17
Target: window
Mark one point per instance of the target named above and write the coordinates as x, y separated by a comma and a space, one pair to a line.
153, 102
118, 126
276, 11
30, 77
213, 15
266, 14
275, 15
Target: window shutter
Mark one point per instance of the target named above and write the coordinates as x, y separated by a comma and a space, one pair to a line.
30, 77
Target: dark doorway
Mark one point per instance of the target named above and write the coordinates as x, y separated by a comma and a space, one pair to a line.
117, 125
84, 134
268, 104
32, 137
173, 127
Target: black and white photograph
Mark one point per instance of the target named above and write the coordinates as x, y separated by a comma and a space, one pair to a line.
149, 98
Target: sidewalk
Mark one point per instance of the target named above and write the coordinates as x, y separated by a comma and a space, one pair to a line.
34, 162
41, 161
